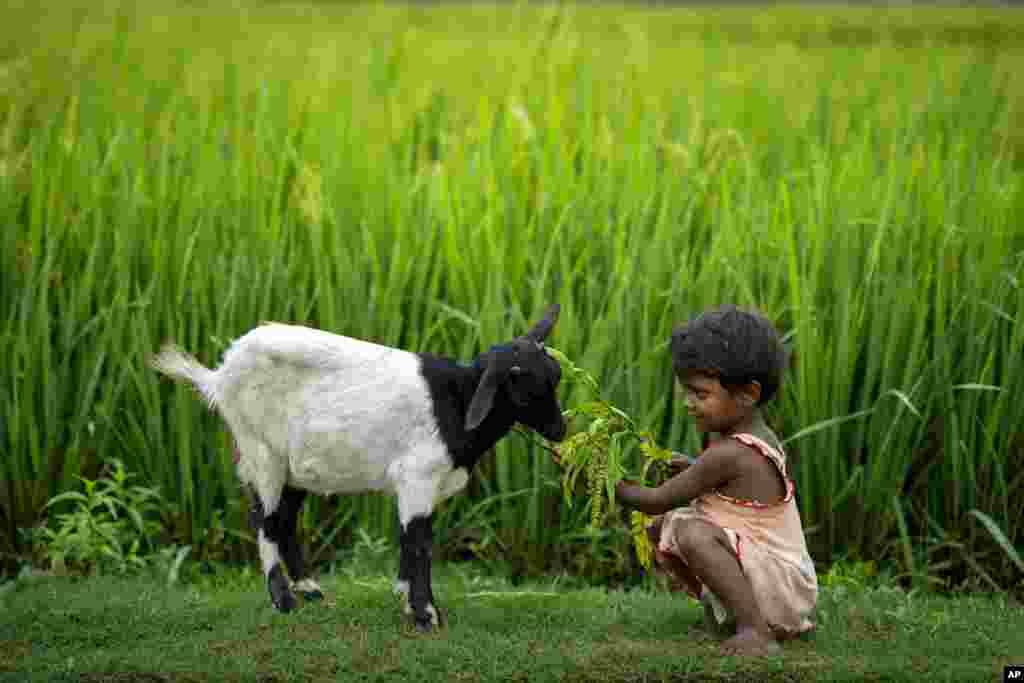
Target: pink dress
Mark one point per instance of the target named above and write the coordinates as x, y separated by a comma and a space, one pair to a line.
769, 543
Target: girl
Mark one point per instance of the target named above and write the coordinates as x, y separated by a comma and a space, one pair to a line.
730, 534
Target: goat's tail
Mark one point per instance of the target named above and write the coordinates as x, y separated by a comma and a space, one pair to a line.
177, 364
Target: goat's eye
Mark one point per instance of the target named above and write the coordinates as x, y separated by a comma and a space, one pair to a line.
524, 388
521, 382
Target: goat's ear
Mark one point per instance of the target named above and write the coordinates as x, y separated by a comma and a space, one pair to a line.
483, 398
542, 329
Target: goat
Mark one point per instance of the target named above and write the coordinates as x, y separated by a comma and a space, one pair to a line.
312, 411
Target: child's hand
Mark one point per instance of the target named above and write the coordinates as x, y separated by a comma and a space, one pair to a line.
627, 482
635, 495
678, 464
627, 490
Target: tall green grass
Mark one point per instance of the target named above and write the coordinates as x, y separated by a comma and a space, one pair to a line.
432, 177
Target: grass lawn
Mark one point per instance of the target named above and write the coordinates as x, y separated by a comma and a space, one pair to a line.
110, 628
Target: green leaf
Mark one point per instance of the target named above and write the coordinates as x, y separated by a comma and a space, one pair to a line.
69, 495
827, 424
111, 505
136, 519
615, 471
848, 487
905, 400
905, 544
971, 386
1000, 538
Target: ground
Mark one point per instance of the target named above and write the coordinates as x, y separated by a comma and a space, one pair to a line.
136, 628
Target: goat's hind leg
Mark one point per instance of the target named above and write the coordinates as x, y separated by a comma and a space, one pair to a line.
291, 504
267, 536
266, 477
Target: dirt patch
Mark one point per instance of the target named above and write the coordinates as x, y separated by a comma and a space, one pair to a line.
133, 677
13, 654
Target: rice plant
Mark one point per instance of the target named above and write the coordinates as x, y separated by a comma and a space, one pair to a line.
431, 177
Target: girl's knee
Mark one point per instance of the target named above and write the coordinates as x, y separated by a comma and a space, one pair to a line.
698, 537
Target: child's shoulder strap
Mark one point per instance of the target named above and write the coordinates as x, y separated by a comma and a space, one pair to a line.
766, 449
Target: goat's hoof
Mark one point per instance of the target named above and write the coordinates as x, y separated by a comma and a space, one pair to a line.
428, 620
312, 596
424, 627
281, 595
285, 602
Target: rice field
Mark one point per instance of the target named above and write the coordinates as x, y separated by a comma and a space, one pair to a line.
431, 176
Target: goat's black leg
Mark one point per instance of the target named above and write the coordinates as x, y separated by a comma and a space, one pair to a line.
291, 550
269, 535
417, 542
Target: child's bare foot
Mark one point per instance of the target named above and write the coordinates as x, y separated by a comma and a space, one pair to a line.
749, 642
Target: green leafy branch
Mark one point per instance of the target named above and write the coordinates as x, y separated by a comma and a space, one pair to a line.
597, 453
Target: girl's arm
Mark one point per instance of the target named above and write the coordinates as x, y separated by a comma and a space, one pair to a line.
711, 471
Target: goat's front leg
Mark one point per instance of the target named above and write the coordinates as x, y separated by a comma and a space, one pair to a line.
417, 541
421, 482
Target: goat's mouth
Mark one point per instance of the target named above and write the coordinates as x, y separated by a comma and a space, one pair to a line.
554, 432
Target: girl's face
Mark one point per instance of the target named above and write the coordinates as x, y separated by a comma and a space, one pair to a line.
713, 407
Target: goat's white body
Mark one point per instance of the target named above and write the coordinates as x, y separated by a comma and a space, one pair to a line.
328, 414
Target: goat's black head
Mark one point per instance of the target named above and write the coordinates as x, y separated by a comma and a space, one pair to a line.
527, 376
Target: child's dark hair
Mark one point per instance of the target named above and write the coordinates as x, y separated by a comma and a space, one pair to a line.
738, 346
